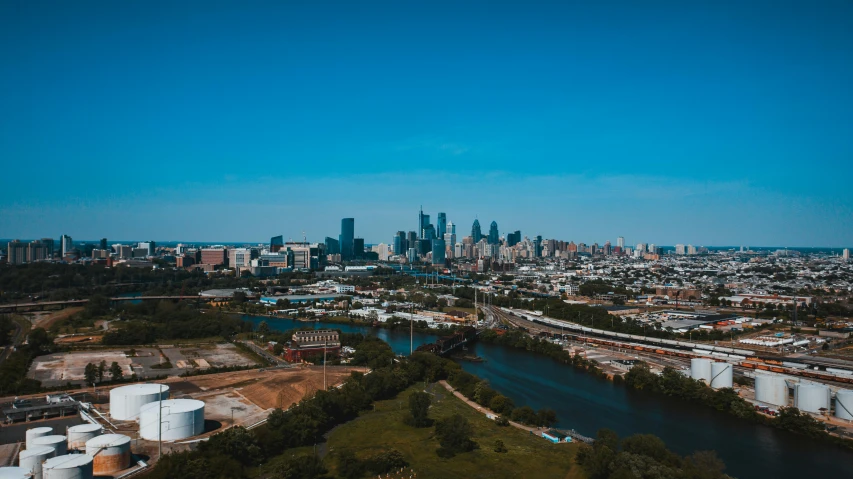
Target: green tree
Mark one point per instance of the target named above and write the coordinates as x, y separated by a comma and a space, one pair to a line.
349, 467
263, 328
501, 404
102, 368
115, 371
278, 349
419, 403
454, 435
90, 373
500, 446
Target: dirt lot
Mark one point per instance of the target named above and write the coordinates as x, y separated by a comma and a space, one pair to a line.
45, 319
56, 369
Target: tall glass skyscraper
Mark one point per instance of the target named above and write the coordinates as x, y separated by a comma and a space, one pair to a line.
442, 225
400, 246
476, 232
438, 250
346, 239
494, 237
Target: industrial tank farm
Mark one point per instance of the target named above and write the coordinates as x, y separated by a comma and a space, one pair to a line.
126, 401
700, 369
35, 433
79, 434
844, 404
111, 453
181, 418
721, 375
57, 442
71, 466
15, 473
811, 397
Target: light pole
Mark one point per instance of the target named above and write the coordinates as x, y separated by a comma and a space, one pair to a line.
324, 364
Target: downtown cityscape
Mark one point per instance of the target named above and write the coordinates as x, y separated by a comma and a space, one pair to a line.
399, 240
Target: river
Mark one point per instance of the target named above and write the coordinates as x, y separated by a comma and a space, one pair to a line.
586, 403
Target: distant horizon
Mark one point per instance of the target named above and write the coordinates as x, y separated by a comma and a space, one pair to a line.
701, 122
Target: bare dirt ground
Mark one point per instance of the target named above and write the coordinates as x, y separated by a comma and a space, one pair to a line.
62, 367
45, 319
282, 390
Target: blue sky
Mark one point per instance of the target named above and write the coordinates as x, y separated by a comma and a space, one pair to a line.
711, 123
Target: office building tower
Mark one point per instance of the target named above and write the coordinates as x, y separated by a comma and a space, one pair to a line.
620, 242
412, 255
494, 237
347, 239
400, 242
424, 246
846, 254
214, 256
103, 244
513, 239
276, 243
429, 232
16, 252
425, 225
608, 249
476, 232
150, 246
537, 247
358, 248
438, 250
49, 244
451, 228
412, 240
421, 222
679, 249
65, 244
37, 251
240, 258
450, 239
382, 251
691, 249
333, 246
441, 227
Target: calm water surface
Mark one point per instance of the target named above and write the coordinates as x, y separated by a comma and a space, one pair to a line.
586, 404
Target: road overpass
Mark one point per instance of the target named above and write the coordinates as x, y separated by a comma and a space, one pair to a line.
80, 302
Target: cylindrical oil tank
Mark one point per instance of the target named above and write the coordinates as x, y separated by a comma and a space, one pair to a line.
771, 389
811, 397
111, 453
79, 434
15, 473
57, 442
32, 459
721, 375
126, 401
69, 466
844, 404
181, 418
700, 369
37, 432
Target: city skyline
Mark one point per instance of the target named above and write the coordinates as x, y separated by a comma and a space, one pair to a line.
666, 123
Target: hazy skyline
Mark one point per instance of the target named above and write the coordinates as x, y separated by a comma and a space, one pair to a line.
710, 123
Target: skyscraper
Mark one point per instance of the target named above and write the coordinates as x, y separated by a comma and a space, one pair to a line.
441, 227
451, 228
49, 243
421, 222
65, 244
426, 226
846, 254
347, 238
476, 232
276, 243
400, 246
513, 239
333, 246
412, 239
438, 248
537, 247
103, 243
494, 237
620, 242
358, 248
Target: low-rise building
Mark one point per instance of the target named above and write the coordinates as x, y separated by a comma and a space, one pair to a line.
307, 344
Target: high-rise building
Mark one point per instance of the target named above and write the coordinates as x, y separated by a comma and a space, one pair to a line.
608, 249
412, 240
276, 243
429, 232
421, 222
494, 237
412, 255
441, 227
537, 247
476, 232
400, 246
103, 244
241, 257
381, 250
641, 248
620, 242
65, 245
16, 252
149, 245
49, 244
358, 248
451, 228
425, 225
333, 246
438, 250
846, 254
513, 239
679, 249
691, 249
347, 239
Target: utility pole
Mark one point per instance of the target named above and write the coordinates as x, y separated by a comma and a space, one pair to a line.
324, 365
411, 328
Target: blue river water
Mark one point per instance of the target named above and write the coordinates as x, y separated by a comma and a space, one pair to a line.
586, 404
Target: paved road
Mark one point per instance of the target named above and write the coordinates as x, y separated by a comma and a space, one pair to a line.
265, 354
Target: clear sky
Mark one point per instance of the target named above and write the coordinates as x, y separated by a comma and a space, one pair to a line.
711, 123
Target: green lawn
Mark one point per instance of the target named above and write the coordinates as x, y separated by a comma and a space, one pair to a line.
527, 457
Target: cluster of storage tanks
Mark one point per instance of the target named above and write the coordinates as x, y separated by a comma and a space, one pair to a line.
86, 451
150, 405
81, 454
808, 396
718, 375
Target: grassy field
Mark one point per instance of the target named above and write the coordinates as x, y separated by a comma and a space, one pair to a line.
383, 429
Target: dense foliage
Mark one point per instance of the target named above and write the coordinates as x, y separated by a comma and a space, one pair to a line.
644, 456
13, 371
152, 320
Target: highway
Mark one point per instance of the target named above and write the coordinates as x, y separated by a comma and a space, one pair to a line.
77, 302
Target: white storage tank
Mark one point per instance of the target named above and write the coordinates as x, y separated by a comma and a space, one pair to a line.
771, 389
37, 432
700, 369
32, 459
110, 452
70, 466
811, 397
844, 404
15, 473
181, 418
721, 375
57, 442
79, 434
126, 401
